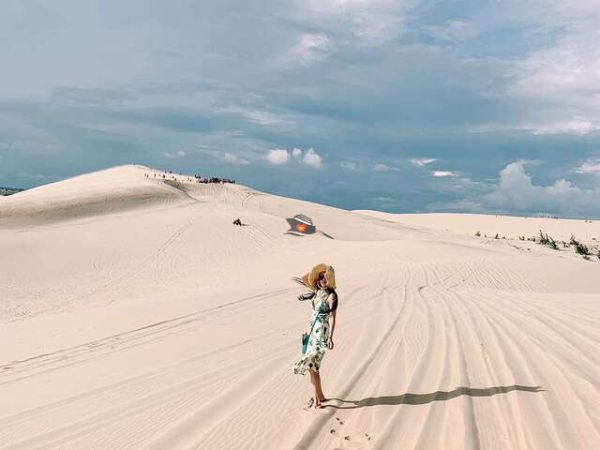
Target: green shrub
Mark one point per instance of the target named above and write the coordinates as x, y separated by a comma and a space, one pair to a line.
544, 239
580, 247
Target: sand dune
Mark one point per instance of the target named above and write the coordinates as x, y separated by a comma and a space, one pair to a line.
511, 227
135, 315
98, 193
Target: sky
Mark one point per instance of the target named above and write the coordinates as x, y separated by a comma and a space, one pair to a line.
399, 106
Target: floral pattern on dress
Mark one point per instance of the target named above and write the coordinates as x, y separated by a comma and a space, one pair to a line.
317, 341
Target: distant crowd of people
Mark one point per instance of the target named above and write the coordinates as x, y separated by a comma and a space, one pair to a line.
213, 180
169, 175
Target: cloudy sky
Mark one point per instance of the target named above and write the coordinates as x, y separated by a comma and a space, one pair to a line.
400, 106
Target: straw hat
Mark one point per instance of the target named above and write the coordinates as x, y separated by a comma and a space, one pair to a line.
310, 279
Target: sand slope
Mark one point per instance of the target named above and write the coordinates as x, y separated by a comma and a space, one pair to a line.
159, 324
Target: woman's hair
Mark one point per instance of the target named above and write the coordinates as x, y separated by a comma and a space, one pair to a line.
335, 300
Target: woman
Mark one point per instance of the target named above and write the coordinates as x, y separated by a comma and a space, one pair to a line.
321, 281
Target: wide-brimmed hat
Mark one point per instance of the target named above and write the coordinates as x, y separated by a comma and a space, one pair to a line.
311, 279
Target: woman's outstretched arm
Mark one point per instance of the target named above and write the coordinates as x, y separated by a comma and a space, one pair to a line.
306, 296
332, 301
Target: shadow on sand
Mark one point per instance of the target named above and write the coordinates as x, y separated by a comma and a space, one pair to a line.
421, 399
295, 233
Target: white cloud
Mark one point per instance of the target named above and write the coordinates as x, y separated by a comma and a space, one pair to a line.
563, 80
173, 155
380, 168
371, 21
421, 162
313, 159
577, 126
516, 191
234, 159
310, 48
462, 185
443, 173
589, 167
571, 69
278, 156
260, 117
452, 30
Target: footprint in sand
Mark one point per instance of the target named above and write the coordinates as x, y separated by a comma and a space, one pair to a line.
349, 437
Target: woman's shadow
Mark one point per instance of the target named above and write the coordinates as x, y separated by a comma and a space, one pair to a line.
421, 399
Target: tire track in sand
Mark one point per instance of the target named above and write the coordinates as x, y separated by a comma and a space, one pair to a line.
35, 365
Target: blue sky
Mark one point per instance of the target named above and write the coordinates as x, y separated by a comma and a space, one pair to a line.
400, 106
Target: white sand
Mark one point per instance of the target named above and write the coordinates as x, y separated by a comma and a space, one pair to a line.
133, 314
510, 227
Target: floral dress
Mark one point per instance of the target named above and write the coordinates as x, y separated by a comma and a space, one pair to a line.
317, 341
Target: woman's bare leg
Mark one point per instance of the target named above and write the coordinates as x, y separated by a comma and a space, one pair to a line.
316, 382
312, 381
319, 396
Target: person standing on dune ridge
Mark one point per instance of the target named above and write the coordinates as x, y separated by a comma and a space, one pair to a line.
319, 339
